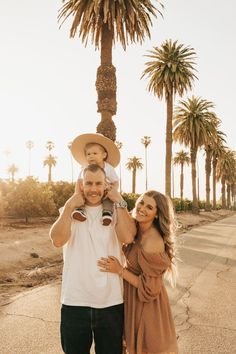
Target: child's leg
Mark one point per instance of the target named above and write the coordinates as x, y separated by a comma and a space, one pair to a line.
79, 213
107, 211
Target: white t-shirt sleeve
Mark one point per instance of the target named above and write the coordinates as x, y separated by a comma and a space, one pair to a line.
111, 174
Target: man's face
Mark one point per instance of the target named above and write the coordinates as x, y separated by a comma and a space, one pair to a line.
93, 187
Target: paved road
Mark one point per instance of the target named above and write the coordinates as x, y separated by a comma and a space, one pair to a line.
203, 303
205, 299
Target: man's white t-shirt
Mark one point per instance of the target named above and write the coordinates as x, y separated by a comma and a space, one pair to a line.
83, 284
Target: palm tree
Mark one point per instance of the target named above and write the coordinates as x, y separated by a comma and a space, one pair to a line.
230, 179
133, 164
181, 158
29, 145
214, 123
146, 140
211, 150
171, 71
12, 169
107, 21
192, 123
226, 173
119, 146
50, 161
71, 162
233, 191
49, 145
218, 152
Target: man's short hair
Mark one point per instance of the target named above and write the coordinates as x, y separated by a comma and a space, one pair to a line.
93, 168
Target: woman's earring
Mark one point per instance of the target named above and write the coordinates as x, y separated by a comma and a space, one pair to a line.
156, 217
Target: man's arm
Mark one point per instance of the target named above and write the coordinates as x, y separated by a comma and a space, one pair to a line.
61, 230
125, 226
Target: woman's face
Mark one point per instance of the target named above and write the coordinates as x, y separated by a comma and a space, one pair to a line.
145, 209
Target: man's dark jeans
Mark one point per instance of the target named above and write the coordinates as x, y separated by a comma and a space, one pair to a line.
81, 325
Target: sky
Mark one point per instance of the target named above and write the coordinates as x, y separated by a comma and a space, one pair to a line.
47, 88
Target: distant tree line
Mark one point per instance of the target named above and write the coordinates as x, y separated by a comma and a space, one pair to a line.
30, 198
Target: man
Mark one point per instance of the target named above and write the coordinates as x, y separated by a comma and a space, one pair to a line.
92, 301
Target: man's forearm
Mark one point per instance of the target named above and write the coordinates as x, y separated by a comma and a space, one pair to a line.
125, 226
61, 229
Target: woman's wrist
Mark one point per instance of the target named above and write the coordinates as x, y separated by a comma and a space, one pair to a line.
121, 272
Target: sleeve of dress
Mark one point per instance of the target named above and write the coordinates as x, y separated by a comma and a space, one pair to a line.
150, 280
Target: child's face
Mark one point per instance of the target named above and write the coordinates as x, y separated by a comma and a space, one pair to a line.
95, 155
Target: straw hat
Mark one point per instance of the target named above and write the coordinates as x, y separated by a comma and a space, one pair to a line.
79, 143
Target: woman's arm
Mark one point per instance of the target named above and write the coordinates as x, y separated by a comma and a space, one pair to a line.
112, 265
148, 287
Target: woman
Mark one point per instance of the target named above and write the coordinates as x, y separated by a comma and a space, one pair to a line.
149, 326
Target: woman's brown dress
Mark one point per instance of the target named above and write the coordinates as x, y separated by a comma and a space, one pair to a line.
149, 325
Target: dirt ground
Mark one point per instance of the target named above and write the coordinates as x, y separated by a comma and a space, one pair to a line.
28, 258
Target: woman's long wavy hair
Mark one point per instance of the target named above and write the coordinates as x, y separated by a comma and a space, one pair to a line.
166, 225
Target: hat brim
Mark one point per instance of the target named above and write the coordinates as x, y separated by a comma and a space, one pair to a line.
79, 143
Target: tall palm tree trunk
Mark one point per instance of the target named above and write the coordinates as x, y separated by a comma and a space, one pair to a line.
223, 192
228, 201
168, 144
134, 180
193, 157
29, 160
182, 181
49, 174
208, 174
214, 163
233, 196
146, 168
106, 86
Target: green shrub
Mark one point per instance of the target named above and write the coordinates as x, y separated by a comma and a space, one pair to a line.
130, 198
61, 192
182, 205
29, 198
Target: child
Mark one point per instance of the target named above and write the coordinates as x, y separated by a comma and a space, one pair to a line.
96, 149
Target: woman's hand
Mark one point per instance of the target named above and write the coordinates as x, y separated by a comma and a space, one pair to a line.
110, 265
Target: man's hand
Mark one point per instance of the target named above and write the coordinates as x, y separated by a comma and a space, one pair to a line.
75, 201
113, 194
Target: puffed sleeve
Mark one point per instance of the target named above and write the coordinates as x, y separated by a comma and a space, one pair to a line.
150, 280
